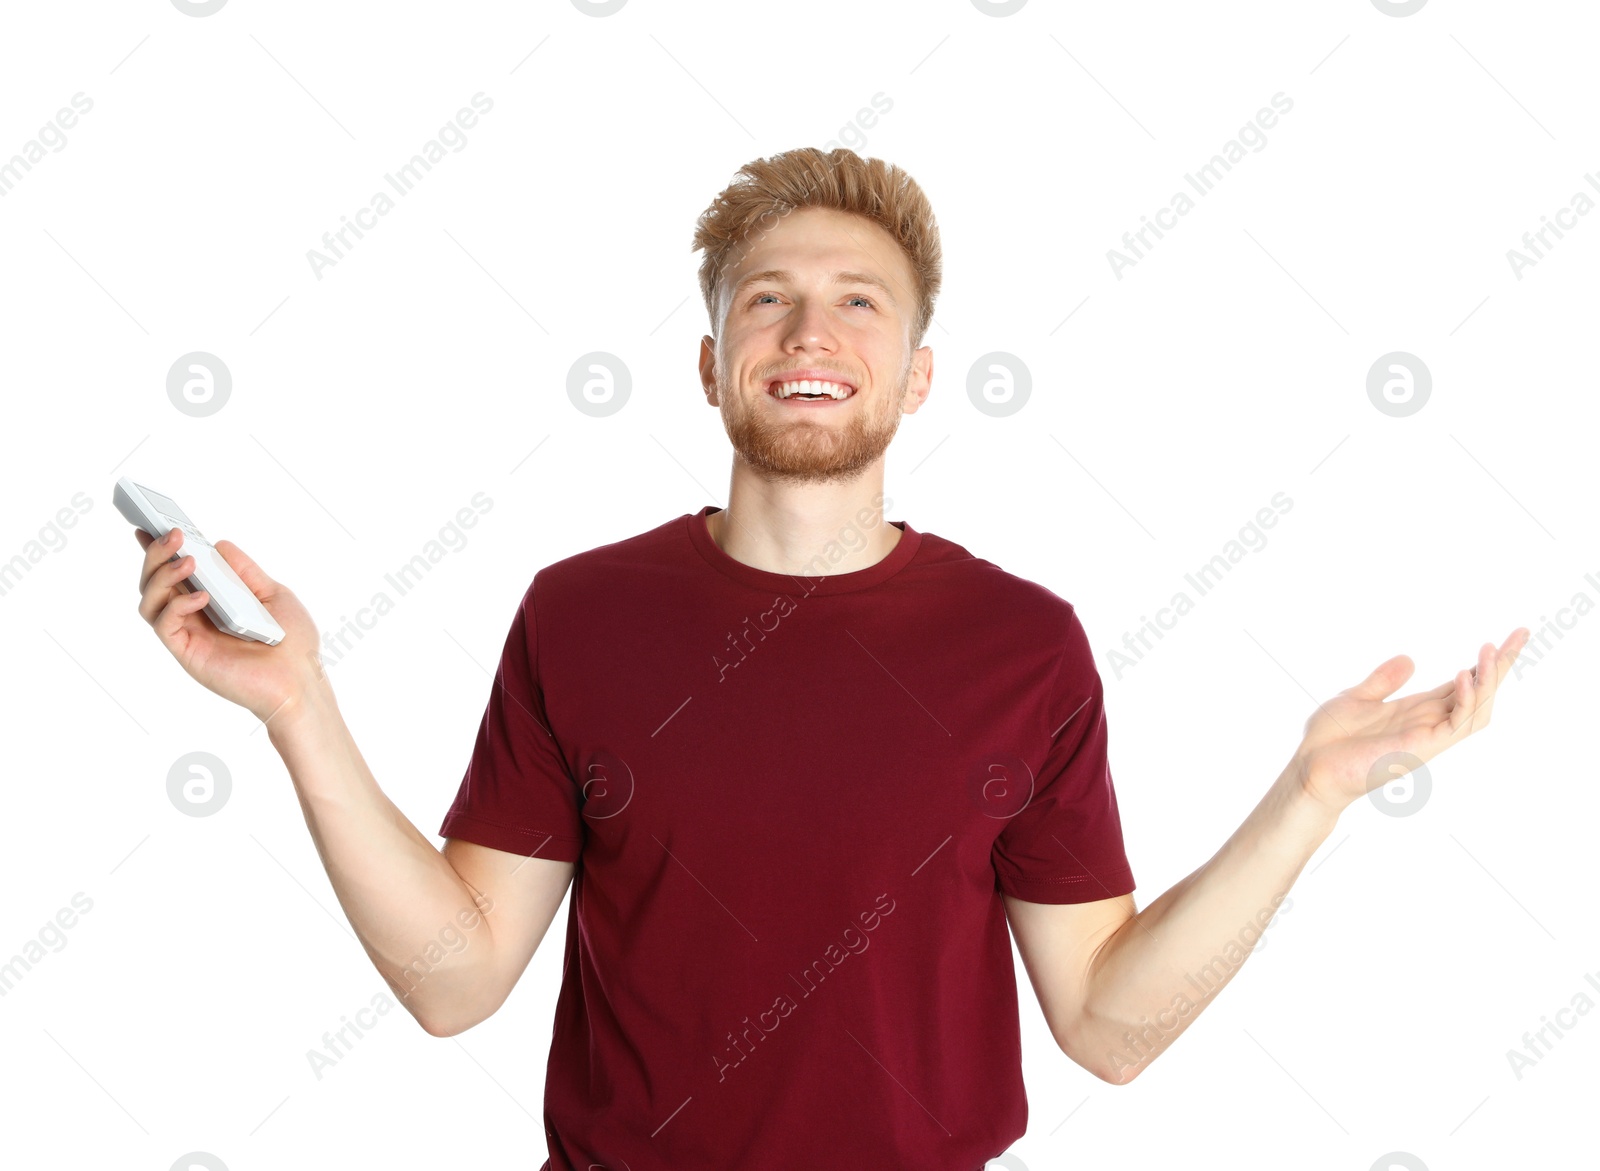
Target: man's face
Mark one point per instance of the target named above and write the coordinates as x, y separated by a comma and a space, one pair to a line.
802, 297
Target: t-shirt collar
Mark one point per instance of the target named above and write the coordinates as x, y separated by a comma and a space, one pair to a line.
902, 553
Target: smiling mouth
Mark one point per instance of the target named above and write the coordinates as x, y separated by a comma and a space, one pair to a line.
810, 390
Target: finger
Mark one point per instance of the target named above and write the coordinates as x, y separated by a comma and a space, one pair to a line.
156, 553
1386, 677
1466, 701
172, 617
1509, 650
161, 587
1485, 678
1439, 692
249, 572
1482, 701
1475, 689
1425, 707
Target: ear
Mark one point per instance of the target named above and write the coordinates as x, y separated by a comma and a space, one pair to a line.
918, 381
708, 369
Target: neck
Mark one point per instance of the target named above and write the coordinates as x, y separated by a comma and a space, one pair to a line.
818, 530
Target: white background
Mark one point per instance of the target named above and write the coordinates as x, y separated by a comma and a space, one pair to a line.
1168, 406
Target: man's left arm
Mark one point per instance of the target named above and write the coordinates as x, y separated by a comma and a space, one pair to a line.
1117, 987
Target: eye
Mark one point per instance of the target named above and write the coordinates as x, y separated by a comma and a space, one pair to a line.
756, 300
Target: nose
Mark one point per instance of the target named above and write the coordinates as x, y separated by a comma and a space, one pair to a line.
809, 328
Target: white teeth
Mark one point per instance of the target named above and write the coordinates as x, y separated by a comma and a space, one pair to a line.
832, 389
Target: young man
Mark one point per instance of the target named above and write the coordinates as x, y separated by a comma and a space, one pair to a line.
802, 768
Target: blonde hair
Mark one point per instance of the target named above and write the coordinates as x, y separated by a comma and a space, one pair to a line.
765, 190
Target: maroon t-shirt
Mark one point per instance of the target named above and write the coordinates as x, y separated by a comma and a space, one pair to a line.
794, 803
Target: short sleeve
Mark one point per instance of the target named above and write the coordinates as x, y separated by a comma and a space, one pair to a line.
517, 795
1065, 845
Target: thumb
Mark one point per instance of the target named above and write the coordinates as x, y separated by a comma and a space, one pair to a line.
249, 572
1386, 677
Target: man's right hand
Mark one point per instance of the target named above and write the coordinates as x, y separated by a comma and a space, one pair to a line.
252, 674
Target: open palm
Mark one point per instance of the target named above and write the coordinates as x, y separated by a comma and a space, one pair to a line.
1348, 735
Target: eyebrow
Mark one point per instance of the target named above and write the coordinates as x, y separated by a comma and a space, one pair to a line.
841, 278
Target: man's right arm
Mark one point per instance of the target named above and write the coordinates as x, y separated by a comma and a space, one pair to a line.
450, 931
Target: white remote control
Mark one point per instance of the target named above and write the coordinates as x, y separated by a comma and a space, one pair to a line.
232, 606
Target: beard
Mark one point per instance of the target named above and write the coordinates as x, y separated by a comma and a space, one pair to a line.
788, 446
